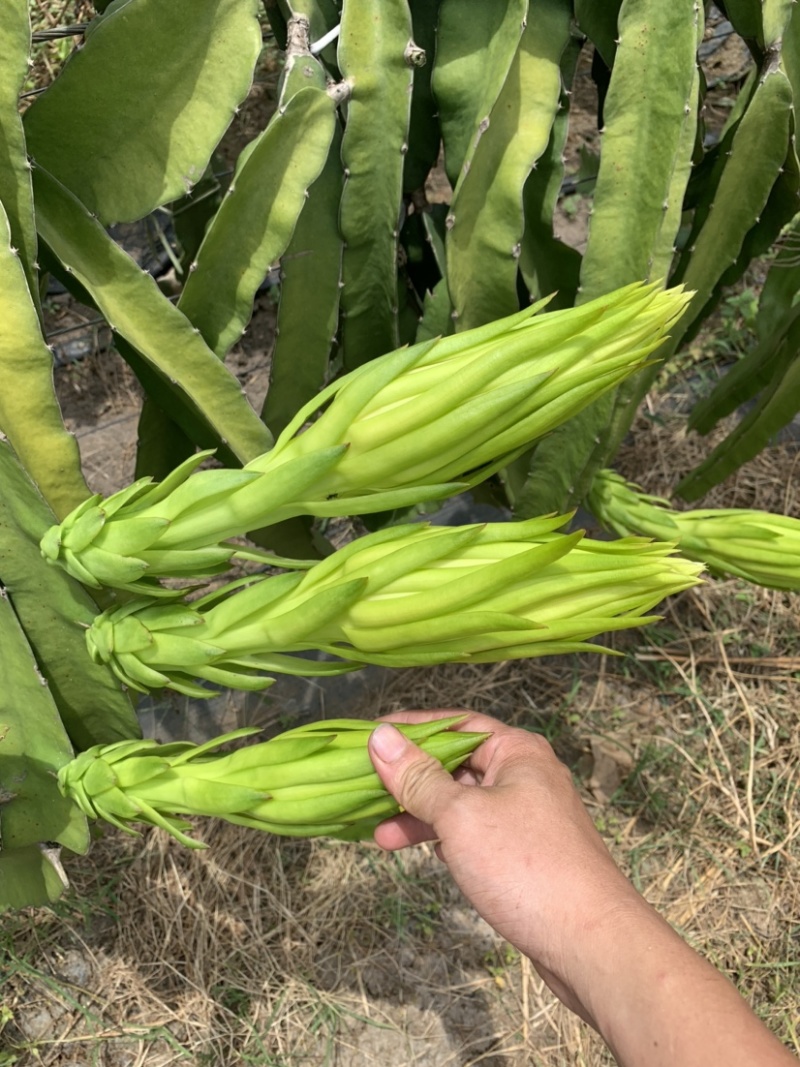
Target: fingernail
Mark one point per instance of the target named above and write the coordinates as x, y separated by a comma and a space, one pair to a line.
387, 743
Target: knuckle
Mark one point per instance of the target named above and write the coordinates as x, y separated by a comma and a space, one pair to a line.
534, 756
426, 789
527, 748
542, 747
416, 775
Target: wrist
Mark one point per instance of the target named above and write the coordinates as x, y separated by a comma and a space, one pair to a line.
607, 947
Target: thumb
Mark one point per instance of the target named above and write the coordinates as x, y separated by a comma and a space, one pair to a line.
417, 781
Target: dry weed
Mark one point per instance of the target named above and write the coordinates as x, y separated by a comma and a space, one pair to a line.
269, 952
280, 952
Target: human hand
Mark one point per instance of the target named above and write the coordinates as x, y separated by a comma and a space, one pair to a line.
518, 842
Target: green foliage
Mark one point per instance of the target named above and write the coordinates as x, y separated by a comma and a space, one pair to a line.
767, 377
49, 453
486, 218
54, 610
187, 374
312, 264
133, 119
379, 80
254, 224
35, 746
15, 180
335, 188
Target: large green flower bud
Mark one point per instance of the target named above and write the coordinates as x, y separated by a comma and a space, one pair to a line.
406, 596
311, 781
176, 528
417, 424
465, 405
755, 545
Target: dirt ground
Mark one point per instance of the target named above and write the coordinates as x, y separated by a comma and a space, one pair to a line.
283, 953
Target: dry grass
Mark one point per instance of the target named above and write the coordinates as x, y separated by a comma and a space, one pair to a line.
261, 951
48, 56
267, 952
282, 953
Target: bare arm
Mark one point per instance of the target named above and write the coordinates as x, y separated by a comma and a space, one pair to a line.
524, 851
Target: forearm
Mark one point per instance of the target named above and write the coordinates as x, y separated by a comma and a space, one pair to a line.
658, 1004
523, 850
